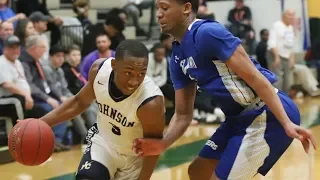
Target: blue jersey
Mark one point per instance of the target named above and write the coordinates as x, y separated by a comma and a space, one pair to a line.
201, 58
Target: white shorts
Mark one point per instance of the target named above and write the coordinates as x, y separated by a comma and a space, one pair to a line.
102, 162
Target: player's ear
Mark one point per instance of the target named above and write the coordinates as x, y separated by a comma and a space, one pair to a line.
187, 8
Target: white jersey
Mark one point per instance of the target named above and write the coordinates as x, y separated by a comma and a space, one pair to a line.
117, 122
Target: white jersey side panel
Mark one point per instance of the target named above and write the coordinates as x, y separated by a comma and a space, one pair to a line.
117, 122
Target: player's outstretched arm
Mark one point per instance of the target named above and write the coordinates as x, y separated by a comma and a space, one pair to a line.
240, 63
179, 123
76, 104
152, 118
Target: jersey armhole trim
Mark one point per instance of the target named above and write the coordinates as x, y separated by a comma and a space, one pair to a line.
101, 64
147, 100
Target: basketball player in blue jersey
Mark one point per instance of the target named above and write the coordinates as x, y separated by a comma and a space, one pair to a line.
261, 121
130, 106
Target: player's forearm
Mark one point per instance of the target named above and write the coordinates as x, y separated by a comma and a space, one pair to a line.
178, 125
66, 111
267, 93
149, 164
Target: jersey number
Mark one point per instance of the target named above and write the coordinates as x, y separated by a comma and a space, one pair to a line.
115, 129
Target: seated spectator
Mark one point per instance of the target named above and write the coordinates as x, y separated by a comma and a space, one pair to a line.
157, 70
76, 81
55, 77
81, 8
40, 22
29, 6
23, 30
118, 12
134, 9
6, 29
261, 49
166, 40
14, 84
203, 12
103, 51
41, 92
113, 27
7, 14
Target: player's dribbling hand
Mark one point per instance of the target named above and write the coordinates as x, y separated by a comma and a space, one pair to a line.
304, 135
148, 147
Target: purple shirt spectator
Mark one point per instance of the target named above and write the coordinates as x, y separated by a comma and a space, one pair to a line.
89, 60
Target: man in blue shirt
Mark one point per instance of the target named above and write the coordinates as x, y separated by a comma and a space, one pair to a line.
261, 121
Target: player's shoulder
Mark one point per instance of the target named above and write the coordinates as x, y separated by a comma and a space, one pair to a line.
95, 67
204, 28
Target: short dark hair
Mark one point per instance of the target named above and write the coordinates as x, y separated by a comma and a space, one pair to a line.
73, 47
263, 31
164, 36
56, 49
194, 3
116, 22
102, 34
157, 46
131, 48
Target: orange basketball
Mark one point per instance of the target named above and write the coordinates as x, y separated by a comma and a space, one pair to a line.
31, 142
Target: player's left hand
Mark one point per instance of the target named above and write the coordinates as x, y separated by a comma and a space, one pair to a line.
148, 147
304, 135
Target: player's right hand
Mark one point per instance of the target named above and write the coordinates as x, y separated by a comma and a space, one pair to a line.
148, 147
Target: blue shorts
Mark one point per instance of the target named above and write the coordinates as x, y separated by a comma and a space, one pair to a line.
250, 143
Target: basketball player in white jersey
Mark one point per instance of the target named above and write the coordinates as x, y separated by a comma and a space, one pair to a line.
130, 106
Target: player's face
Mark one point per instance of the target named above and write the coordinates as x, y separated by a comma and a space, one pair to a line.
129, 73
171, 15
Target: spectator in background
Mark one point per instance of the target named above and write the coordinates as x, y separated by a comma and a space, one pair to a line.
113, 27
240, 18
118, 12
76, 81
23, 30
7, 14
6, 29
81, 8
14, 84
203, 12
103, 51
280, 54
42, 93
29, 6
157, 70
166, 40
40, 22
261, 49
134, 9
56, 78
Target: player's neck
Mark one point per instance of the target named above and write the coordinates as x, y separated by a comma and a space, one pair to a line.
183, 28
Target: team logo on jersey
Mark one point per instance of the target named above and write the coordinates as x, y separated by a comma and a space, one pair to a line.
115, 115
211, 144
186, 64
